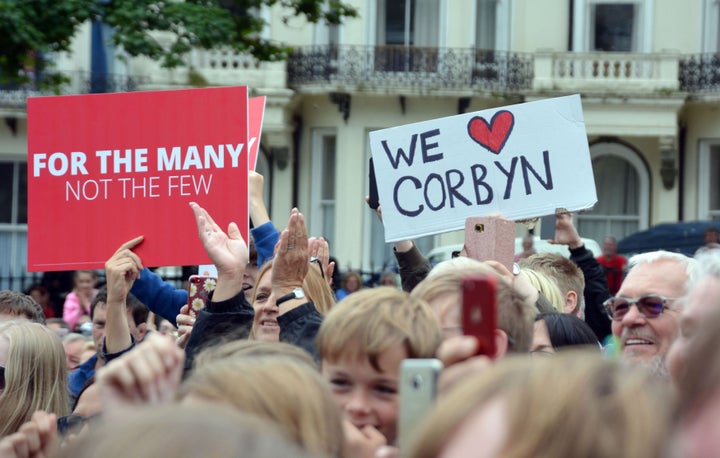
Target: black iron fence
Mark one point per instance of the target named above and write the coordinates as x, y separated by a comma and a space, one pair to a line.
428, 68
80, 82
700, 73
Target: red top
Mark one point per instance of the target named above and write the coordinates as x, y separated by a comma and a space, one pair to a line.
614, 269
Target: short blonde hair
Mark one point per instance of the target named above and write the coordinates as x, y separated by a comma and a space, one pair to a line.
268, 386
372, 320
35, 374
546, 286
605, 409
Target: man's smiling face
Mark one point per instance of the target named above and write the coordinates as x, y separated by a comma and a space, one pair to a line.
646, 341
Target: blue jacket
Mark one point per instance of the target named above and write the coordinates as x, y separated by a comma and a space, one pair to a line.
163, 299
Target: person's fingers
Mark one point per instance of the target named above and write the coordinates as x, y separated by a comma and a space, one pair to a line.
181, 341
130, 244
457, 348
330, 272
373, 435
32, 436
234, 232
20, 445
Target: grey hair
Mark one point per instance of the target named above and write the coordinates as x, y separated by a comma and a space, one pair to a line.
708, 265
690, 264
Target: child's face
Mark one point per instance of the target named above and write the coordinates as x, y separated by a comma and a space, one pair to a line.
364, 395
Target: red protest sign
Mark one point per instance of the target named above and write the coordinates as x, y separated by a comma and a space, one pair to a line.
105, 168
256, 111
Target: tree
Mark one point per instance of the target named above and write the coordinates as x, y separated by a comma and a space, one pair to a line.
30, 28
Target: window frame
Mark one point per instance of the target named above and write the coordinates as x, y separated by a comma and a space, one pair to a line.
632, 157
704, 179
17, 257
502, 24
318, 169
582, 26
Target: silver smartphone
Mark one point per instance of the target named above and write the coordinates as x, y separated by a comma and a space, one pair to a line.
418, 388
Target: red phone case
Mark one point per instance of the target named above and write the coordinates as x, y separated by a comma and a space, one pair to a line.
479, 312
199, 289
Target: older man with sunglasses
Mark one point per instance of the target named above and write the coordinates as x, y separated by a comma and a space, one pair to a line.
645, 313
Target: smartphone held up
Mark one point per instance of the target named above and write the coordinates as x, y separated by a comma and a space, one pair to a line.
479, 311
199, 289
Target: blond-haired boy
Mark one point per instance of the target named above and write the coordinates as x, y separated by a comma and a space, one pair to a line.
362, 342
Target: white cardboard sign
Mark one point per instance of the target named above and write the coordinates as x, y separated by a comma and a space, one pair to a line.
521, 161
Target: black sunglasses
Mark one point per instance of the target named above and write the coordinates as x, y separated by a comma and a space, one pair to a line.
650, 305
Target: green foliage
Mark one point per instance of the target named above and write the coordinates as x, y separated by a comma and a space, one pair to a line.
30, 27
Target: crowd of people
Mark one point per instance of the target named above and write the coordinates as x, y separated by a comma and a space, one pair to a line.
586, 360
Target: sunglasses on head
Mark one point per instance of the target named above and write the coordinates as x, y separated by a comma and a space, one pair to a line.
650, 305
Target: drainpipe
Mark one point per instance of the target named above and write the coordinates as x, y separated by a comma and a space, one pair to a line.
682, 135
297, 142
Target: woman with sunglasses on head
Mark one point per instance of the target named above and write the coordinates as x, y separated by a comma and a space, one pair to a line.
33, 374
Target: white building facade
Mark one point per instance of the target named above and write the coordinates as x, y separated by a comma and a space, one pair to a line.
648, 72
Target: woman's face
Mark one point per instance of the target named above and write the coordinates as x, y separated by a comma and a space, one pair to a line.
265, 325
85, 281
541, 339
352, 284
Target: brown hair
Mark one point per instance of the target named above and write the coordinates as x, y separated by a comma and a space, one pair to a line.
376, 319
515, 316
605, 409
35, 374
268, 386
21, 305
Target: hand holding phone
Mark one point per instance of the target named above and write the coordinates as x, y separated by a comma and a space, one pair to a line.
479, 312
418, 388
199, 289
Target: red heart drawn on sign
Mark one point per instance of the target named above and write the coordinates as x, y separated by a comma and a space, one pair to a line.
494, 135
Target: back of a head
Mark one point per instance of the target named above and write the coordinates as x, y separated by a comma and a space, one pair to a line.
16, 304
603, 410
566, 273
546, 286
267, 386
514, 314
372, 320
567, 331
35, 374
182, 431
251, 348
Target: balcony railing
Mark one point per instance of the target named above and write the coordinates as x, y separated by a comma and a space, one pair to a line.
400, 68
606, 72
700, 73
80, 82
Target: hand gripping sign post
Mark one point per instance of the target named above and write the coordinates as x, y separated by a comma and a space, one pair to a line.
103, 169
521, 161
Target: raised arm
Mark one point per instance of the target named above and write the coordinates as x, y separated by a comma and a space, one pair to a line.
264, 233
596, 288
121, 270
